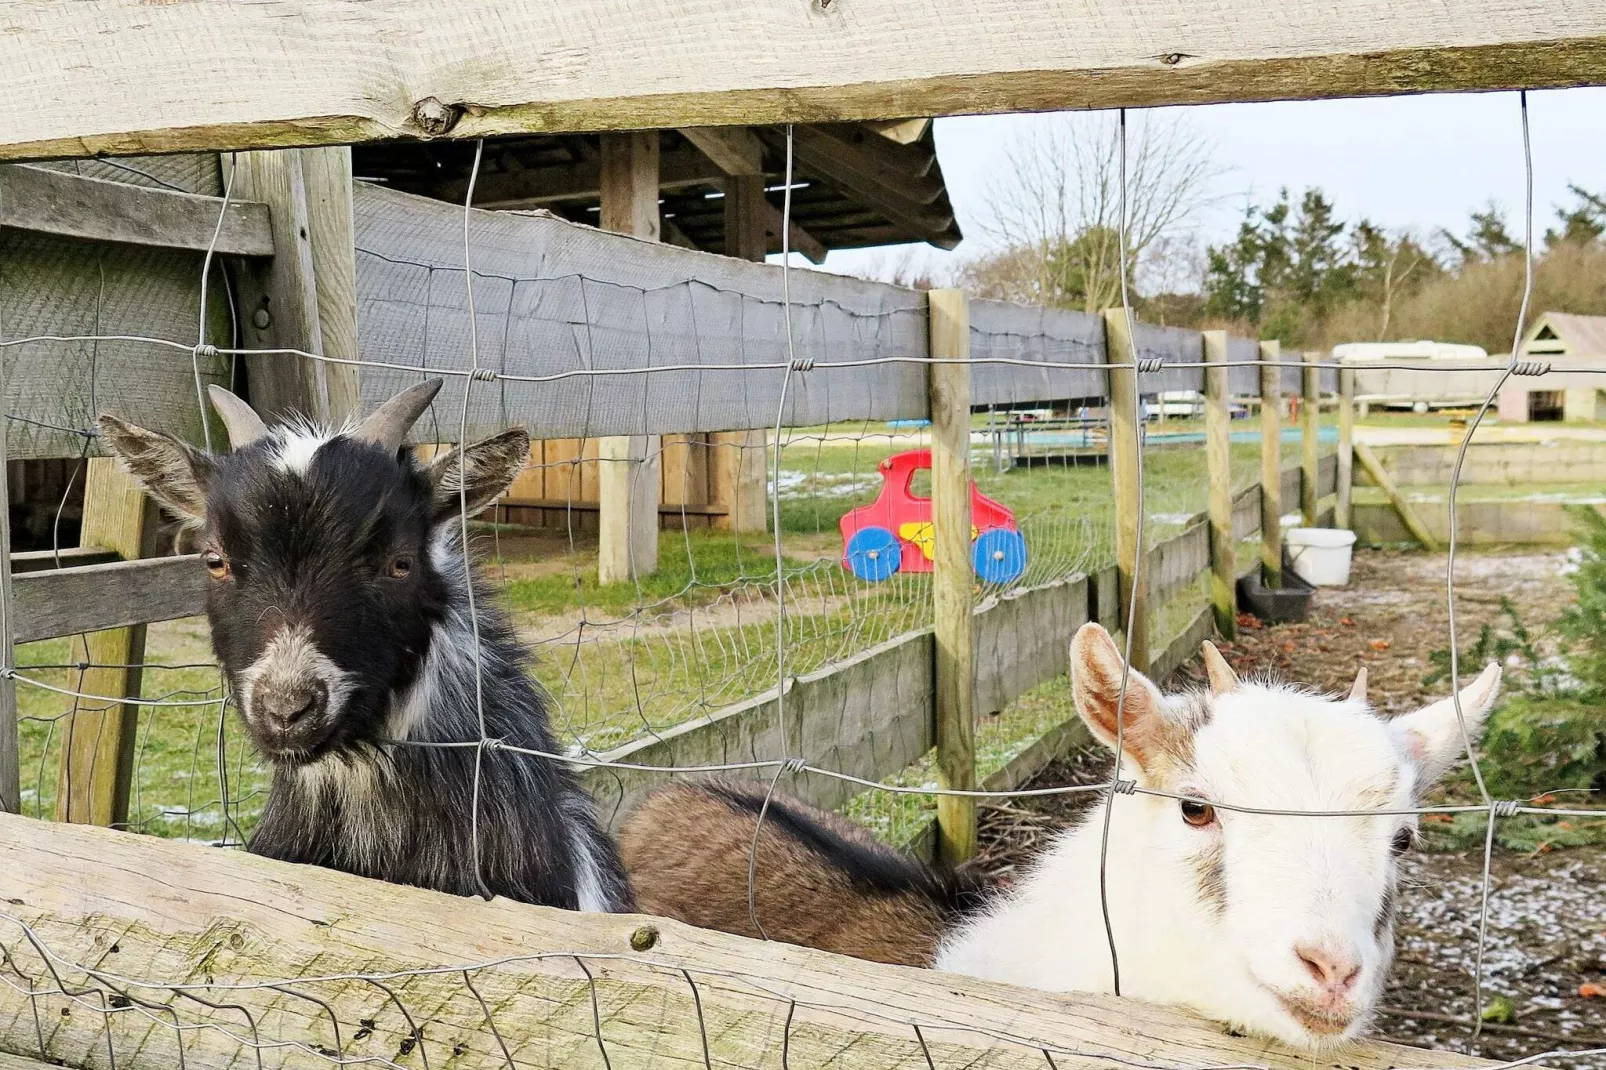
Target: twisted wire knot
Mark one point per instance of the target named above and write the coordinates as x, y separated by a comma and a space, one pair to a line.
1124, 787
205, 351
493, 744
1147, 365
1530, 367
803, 364
1505, 807
484, 375
794, 765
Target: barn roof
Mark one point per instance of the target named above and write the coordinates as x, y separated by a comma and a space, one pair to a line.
1568, 335
856, 185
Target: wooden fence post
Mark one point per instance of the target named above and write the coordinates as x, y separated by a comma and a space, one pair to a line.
1218, 459
279, 297
327, 175
10, 767
1125, 432
1310, 422
952, 576
628, 479
1271, 494
96, 770
1346, 446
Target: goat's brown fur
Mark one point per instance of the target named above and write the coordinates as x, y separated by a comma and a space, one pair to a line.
820, 881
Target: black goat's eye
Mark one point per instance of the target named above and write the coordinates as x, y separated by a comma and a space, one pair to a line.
1403, 841
215, 563
401, 566
1199, 815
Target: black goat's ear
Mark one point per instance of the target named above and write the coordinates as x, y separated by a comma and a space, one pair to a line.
478, 474
173, 473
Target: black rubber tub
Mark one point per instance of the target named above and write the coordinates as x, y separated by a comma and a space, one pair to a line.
1290, 602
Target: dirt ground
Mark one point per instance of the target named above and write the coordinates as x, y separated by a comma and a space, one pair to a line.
1547, 912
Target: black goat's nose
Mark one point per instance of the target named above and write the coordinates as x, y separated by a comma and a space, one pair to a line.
285, 707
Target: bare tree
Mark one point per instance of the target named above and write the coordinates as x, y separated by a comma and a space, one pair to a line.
1056, 202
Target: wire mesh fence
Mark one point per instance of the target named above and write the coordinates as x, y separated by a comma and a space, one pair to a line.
737, 607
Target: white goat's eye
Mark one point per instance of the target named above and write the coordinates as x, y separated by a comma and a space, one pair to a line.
401, 566
1198, 814
215, 563
1403, 841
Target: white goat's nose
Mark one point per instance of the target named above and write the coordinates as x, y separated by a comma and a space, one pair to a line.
1333, 968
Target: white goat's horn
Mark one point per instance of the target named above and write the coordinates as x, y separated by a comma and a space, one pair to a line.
1222, 678
243, 424
387, 427
1357, 690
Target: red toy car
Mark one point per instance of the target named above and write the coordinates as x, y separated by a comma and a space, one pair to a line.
894, 533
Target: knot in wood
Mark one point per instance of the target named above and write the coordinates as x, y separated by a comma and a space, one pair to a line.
434, 117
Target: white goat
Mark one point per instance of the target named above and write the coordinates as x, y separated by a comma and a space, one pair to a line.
1280, 925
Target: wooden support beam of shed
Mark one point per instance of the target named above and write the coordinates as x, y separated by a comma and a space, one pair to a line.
339, 73
903, 131
801, 241
897, 166
629, 481
45, 201
562, 987
837, 165
534, 187
734, 150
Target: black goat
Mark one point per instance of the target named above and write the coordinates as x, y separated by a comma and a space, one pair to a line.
339, 605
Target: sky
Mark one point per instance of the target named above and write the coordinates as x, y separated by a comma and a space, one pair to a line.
1423, 162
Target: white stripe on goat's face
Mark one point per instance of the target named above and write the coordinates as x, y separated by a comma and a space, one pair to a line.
1279, 923
291, 693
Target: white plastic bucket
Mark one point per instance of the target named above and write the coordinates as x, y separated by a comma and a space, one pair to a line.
1321, 556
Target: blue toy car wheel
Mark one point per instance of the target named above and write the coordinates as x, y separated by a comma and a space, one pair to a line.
999, 555
874, 554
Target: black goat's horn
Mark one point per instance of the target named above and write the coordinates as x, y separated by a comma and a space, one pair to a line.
389, 424
243, 424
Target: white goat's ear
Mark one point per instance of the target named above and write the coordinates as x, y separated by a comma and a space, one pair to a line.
483, 471
173, 472
1096, 666
1432, 735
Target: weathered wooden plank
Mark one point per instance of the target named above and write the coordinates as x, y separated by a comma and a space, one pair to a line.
1246, 513
499, 984
68, 557
952, 577
555, 297
50, 201
1243, 381
1271, 495
1218, 463
868, 715
628, 466
334, 74
1176, 563
1185, 646
1379, 475
1327, 469
97, 597
1346, 447
1309, 428
1125, 428
96, 769
1023, 638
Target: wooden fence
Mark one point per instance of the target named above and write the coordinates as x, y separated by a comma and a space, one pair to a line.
628, 338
